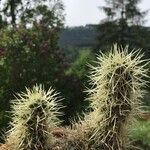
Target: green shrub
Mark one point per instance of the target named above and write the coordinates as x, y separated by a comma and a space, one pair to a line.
30, 56
140, 133
79, 68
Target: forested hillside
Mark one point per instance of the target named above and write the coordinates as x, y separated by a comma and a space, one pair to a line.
82, 36
86, 36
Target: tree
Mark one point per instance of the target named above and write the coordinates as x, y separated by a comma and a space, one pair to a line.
126, 10
10, 10
27, 12
29, 51
123, 17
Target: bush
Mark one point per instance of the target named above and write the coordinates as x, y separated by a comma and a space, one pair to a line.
140, 134
29, 56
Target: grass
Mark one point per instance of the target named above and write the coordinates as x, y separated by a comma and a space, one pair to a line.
141, 132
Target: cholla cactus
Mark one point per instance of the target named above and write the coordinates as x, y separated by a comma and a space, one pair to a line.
117, 89
34, 117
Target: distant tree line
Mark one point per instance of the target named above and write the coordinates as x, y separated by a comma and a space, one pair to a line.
82, 36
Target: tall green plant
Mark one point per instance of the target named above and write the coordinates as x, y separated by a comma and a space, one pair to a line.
34, 116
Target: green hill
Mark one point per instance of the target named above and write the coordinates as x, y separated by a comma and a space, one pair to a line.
82, 36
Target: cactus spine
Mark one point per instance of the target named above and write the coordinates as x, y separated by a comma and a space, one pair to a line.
34, 117
115, 98
117, 88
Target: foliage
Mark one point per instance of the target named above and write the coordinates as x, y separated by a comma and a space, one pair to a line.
124, 10
24, 12
78, 37
30, 54
71, 53
80, 66
75, 83
29, 50
73, 39
123, 24
140, 134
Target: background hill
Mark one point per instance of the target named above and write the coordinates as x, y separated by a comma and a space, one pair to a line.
81, 36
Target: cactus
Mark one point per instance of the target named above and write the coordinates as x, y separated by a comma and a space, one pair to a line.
117, 88
34, 116
118, 83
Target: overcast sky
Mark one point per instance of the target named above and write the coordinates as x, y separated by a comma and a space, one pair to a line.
81, 12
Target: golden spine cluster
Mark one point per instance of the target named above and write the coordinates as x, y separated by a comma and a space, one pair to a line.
117, 87
34, 116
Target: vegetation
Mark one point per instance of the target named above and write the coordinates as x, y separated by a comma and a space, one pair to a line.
78, 37
79, 67
29, 55
117, 87
123, 24
34, 117
25, 13
35, 48
141, 134
117, 84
